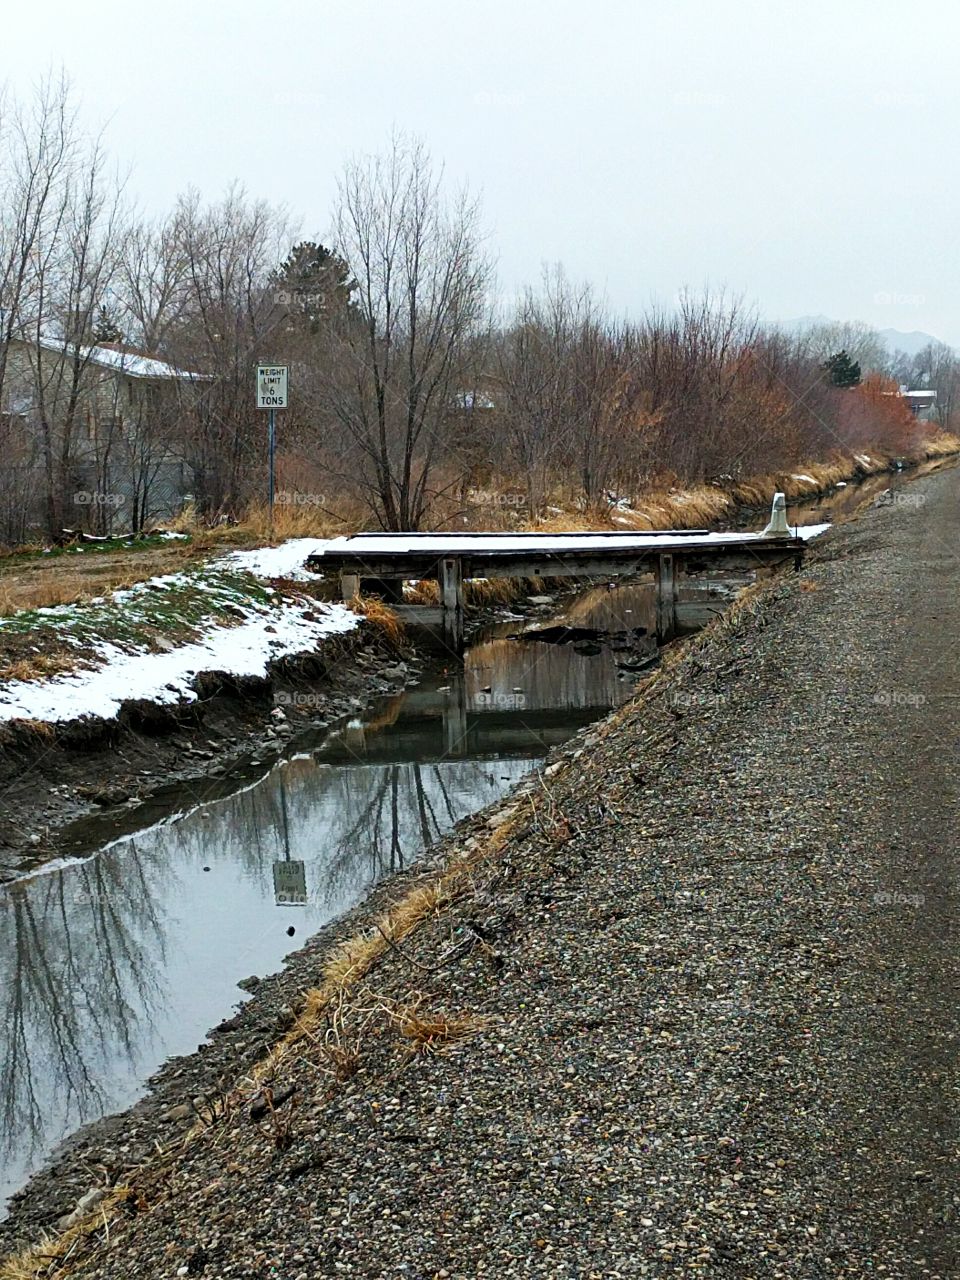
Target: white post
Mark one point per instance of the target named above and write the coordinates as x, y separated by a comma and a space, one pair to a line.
778, 527
349, 586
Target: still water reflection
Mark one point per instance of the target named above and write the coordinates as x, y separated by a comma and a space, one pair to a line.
114, 963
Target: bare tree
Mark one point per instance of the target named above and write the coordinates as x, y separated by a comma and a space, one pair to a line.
567, 407
404, 353
155, 281
76, 264
861, 341
37, 146
226, 325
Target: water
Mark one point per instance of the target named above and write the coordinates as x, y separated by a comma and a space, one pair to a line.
842, 503
117, 961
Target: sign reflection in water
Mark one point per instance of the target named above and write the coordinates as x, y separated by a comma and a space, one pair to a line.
112, 965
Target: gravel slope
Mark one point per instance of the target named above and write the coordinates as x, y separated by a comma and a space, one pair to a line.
710, 984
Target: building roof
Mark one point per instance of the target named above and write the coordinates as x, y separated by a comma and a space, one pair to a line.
132, 364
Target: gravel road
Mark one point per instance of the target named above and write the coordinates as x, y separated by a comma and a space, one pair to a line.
697, 1017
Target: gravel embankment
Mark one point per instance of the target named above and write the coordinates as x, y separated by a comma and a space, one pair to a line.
711, 979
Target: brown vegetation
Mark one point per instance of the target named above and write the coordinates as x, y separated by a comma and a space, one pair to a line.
411, 406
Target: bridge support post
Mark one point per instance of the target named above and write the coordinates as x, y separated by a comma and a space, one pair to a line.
666, 579
451, 602
455, 718
349, 586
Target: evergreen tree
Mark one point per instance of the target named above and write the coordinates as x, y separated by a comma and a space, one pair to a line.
105, 328
841, 370
314, 283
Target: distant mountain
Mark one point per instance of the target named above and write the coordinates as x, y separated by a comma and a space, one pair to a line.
912, 343
802, 323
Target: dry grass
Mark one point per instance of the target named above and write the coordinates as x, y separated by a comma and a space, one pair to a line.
53, 1255
425, 592
384, 619
476, 591
41, 729
431, 1031
942, 445
69, 585
37, 666
684, 509
291, 519
568, 521
486, 591
78, 581
804, 482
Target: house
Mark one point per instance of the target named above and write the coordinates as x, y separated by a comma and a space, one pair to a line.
923, 404
116, 414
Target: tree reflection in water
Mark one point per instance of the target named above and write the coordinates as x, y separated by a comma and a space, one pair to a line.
112, 965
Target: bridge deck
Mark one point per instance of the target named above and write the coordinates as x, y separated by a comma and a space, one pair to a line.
550, 555
385, 559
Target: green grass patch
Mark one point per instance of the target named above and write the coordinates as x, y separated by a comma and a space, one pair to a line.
112, 546
180, 606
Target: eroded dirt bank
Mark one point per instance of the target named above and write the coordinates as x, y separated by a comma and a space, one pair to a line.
691, 1009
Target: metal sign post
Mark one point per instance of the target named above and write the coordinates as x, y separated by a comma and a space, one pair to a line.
271, 395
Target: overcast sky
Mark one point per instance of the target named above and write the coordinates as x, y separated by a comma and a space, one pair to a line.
802, 153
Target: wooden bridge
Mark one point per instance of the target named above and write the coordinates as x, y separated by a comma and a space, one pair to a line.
381, 562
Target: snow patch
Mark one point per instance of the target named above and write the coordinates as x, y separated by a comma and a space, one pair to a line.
807, 532
286, 561
244, 650
374, 544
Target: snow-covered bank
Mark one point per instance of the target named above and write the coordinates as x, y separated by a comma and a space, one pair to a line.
244, 650
120, 667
